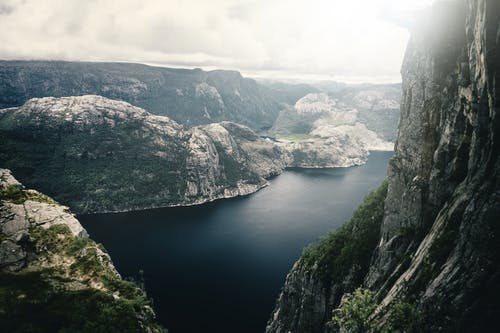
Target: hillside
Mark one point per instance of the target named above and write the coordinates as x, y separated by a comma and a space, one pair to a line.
100, 155
55, 278
190, 97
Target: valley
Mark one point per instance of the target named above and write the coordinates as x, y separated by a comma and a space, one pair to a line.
224, 262
77, 148
140, 198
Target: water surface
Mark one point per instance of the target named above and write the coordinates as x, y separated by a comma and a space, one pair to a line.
219, 267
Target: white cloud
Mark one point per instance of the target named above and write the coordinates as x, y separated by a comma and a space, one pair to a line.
300, 38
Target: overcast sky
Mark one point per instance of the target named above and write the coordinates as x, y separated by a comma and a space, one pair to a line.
346, 40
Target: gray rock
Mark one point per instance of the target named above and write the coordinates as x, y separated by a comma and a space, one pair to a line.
101, 140
51, 259
15, 221
438, 246
190, 97
12, 256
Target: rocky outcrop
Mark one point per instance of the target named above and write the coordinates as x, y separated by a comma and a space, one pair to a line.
227, 160
444, 181
437, 251
303, 303
95, 155
327, 269
321, 131
54, 277
378, 107
332, 151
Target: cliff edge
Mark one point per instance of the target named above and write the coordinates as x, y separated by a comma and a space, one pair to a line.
54, 278
436, 257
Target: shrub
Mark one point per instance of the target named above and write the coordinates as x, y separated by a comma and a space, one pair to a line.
354, 313
14, 193
352, 244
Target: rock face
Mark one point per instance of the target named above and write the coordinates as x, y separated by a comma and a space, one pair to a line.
322, 131
437, 249
327, 269
332, 151
96, 155
377, 106
196, 97
56, 278
190, 97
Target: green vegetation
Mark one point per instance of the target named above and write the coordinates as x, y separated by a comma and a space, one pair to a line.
348, 251
350, 246
291, 124
58, 239
299, 155
233, 170
61, 298
36, 196
86, 170
293, 137
52, 240
354, 313
357, 314
32, 302
13, 193
402, 316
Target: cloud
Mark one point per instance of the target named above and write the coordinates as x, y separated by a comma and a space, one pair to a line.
329, 38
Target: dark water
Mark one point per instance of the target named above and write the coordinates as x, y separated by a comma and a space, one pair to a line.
219, 267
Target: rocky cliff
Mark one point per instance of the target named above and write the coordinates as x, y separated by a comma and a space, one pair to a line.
190, 97
378, 107
434, 264
323, 131
197, 97
54, 278
96, 155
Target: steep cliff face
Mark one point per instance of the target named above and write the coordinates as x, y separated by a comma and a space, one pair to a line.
96, 154
54, 277
334, 265
438, 251
447, 199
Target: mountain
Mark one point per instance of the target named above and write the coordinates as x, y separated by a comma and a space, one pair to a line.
196, 97
289, 93
54, 278
377, 105
190, 97
322, 131
421, 254
100, 155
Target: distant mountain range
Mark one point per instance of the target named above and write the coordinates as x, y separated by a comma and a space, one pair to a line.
66, 128
190, 97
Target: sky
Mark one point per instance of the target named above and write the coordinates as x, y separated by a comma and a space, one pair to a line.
302, 40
